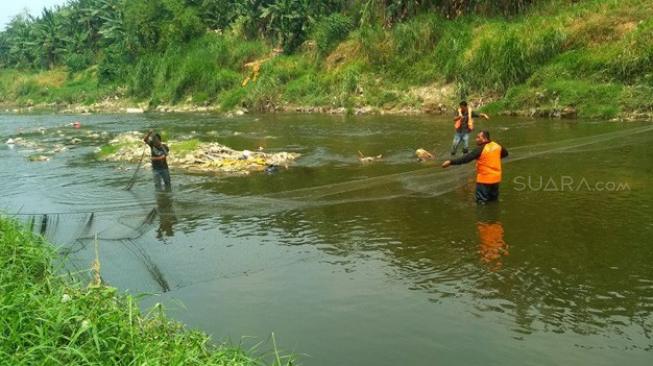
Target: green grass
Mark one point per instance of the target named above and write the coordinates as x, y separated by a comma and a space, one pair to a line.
49, 319
54, 86
199, 71
592, 100
106, 150
182, 147
232, 98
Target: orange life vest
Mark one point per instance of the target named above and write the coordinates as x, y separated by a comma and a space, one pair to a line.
470, 120
488, 165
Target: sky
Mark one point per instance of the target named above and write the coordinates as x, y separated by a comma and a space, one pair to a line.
10, 8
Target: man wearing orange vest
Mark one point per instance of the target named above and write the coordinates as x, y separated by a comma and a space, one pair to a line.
488, 157
464, 124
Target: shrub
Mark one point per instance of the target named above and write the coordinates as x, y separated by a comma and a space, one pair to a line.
78, 61
330, 31
232, 98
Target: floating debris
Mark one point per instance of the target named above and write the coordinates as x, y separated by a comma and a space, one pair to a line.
423, 155
39, 158
368, 159
271, 169
58, 148
21, 142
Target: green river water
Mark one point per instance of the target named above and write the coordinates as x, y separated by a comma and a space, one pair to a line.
389, 263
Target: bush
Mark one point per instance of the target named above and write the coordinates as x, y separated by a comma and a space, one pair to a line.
448, 54
232, 98
330, 31
635, 58
142, 80
78, 61
374, 46
111, 65
306, 90
507, 56
264, 94
637, 98
591, 100
201, 74
27, 87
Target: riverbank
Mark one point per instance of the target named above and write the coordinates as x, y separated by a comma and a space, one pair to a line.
50, 319
559, 59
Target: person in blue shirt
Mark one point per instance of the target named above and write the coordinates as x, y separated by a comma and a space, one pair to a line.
159, 152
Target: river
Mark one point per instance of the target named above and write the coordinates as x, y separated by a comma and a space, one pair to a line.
387, 263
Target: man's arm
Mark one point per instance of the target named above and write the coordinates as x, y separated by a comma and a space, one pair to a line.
504, 152
147, 137
472, 155
163, 156
481, 115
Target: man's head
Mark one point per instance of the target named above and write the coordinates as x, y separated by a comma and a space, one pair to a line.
483, 137
156, 140
463, 105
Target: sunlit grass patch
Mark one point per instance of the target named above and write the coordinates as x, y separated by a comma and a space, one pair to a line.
180, 148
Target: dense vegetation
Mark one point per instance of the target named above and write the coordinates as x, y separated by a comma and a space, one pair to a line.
48, 320
593, 55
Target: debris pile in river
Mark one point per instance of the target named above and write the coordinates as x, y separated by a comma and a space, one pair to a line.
40, 152
200, 157
19, 141
44, 143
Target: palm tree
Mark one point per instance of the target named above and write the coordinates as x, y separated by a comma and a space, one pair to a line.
19, 40
49, 38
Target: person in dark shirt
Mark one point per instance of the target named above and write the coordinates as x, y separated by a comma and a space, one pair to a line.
488, 157
159, 152
464, 124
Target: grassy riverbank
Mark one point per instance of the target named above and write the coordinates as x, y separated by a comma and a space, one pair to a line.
48, 319
591, 58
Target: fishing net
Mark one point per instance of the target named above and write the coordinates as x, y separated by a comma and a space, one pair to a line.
433, 181
133, 214
129, 216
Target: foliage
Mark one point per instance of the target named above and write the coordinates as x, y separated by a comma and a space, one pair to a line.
132, 28
202, 69
368, 51
330, 31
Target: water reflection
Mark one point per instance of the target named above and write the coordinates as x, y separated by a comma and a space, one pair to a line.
492, 246
167, 217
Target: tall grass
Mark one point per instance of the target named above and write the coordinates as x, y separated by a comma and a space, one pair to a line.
54, 86
604, 64
48, 320
413, 44
202, 70
330, 31
502, 55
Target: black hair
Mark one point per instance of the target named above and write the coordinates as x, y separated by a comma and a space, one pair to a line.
463, 103
157, 136
486, 133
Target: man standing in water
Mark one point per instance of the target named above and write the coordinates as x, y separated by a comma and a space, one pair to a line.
464, 124
488, 157
159, 163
